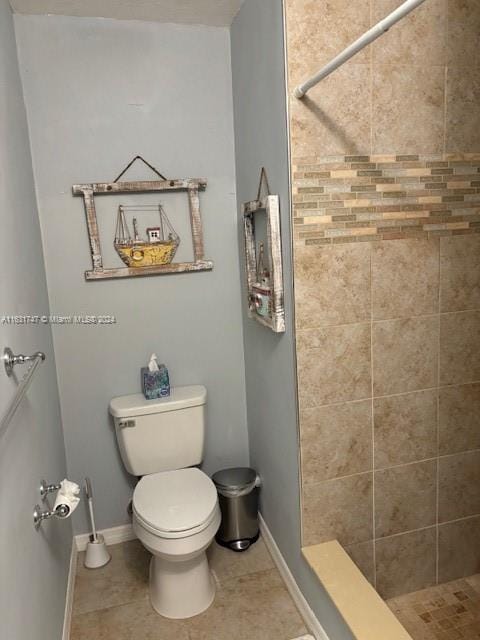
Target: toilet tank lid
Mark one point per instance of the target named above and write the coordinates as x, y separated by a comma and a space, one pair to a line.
179, 398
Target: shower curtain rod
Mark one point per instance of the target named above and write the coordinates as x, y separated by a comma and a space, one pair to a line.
368, 37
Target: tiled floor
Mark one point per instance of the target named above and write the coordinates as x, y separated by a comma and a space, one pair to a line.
251, 603
448, 611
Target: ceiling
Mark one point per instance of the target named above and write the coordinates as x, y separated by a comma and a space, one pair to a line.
210, 12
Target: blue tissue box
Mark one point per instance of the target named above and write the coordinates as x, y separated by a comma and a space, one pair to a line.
155, 384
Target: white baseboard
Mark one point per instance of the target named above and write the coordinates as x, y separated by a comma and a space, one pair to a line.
310, 619
72, 570
115, 535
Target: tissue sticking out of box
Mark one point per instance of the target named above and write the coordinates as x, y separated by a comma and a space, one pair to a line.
153, 364
155, 379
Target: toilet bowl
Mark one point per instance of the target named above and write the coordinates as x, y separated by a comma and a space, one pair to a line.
176, 516
175, 506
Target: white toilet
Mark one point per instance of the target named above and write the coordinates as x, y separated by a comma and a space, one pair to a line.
175, 505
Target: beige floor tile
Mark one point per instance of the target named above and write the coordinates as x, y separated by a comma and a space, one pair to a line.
447, 611
226, 564
133, 621
251, 602
256, 606
124, 579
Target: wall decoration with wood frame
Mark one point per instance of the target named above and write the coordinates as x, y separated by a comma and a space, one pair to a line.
152, 255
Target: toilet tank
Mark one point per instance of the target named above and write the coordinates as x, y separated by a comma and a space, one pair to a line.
160, 435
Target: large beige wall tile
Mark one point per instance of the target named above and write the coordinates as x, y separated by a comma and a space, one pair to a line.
336, 440
334, 118
460, 347
405, 428
460, 273
463, 30
404, 355
405, 276
459, 418
408, 109
363, 556
332, 285
459, 486
463, 109
420, 38
317, 30
405, 498
338, 509
333, 364
458, 549
406, 562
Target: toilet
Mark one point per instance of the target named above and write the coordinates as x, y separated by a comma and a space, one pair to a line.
175, 506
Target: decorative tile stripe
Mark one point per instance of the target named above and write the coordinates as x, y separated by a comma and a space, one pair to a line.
339, 199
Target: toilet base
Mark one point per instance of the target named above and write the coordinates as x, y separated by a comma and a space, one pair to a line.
181, 589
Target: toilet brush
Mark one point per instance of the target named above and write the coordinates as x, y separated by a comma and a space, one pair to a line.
96, 554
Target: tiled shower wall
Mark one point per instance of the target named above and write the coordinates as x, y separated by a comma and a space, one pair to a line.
386, 157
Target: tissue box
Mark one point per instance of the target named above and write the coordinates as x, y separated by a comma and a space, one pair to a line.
155, 384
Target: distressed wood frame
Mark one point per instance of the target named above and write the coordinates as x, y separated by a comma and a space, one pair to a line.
191, 185
271, 206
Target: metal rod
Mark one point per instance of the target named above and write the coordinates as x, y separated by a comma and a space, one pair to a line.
21, 390
368, 37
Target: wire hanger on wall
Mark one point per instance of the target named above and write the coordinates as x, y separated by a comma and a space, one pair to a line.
263, 182
150, 166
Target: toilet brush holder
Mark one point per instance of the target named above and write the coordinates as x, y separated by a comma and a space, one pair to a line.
96, 554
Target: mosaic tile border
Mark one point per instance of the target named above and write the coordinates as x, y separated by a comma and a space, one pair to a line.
338, 199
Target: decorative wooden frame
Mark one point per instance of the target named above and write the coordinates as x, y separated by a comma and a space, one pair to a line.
271, 205
191, 185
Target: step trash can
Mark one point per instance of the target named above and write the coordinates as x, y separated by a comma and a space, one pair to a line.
238, 497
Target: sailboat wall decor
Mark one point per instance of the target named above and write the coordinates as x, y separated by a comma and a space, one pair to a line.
153, 253
156, 249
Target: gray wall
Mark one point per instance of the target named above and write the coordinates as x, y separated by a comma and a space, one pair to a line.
33, 564
261, 139
98, 92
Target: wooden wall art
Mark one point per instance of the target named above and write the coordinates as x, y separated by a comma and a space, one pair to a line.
264, 264
153, 253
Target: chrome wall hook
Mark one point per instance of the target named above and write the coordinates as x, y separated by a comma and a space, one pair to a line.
45, 489
10, 359
39, 516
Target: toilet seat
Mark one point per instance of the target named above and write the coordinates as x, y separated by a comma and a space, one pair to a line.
175, 504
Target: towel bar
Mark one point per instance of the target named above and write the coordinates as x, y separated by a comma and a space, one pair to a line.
9, 361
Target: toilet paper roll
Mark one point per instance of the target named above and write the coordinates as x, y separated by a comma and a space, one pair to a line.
69, 495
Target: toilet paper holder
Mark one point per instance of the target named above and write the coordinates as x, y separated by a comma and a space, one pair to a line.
46, 488
39, 516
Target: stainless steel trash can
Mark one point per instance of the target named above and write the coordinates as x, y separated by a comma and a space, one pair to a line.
238, 497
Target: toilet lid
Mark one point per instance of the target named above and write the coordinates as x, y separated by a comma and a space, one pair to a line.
175, 500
